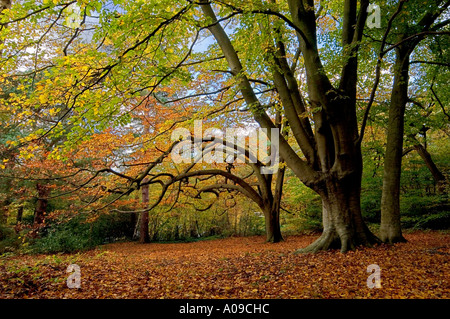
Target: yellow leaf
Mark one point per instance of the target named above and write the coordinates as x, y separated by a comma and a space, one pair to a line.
43, 98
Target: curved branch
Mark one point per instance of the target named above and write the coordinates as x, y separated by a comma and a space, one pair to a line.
256, 198
243, 184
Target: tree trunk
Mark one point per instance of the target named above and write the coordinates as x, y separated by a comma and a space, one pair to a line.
19, 214
133, 222
343, 226
390, 227
272, 222
272, 213
41, 205
144, 236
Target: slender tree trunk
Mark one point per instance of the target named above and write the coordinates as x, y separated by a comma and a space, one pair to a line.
137, 220
19, 214
42, 203
144, 236
273, 230
390, 227
272, 213
133, 222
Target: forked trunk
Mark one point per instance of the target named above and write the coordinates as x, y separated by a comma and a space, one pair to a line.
343, 226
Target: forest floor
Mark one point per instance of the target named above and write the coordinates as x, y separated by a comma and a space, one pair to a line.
238, 267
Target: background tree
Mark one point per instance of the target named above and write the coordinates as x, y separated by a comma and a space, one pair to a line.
408, 37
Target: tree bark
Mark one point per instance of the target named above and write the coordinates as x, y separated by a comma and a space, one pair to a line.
272, 212
272, 222
390, 227
343, 226
19, 214
144, 236
42, 203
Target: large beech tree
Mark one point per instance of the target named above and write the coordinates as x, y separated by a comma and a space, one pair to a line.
332, 162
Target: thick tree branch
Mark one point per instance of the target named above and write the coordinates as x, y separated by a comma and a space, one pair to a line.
293, 102
353, 27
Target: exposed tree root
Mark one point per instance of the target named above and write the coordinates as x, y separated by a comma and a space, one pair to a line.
331, 240
393, 239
